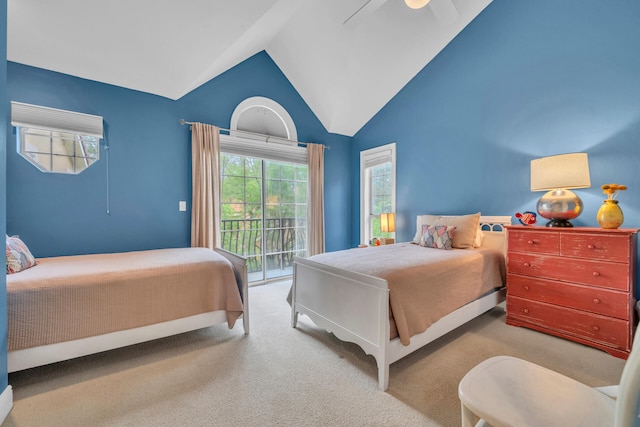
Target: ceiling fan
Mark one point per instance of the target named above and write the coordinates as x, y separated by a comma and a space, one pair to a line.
444, 11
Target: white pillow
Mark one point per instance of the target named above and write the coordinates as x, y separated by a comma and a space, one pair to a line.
467, 228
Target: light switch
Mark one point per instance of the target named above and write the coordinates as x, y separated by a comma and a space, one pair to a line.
182, 205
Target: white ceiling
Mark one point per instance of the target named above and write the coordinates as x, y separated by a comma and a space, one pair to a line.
346, 72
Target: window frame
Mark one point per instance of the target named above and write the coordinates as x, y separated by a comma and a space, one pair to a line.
369, 159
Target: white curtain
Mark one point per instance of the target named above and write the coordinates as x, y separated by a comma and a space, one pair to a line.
205, 161
315, 206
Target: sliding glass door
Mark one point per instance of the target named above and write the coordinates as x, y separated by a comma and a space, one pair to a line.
264, 213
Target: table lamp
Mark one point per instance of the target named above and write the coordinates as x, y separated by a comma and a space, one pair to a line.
558, 175
387, 225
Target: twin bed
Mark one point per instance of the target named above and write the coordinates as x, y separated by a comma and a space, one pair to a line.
67, 307
392, 300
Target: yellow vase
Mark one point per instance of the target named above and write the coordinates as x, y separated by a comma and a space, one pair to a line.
610, 215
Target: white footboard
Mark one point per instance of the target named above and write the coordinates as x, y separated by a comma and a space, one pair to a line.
353, 306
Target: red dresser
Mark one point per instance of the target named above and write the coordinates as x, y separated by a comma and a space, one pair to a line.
577, 283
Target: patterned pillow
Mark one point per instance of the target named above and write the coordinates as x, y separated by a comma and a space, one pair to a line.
437, 236
18, 255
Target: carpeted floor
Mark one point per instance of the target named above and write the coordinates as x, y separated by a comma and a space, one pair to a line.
280, 376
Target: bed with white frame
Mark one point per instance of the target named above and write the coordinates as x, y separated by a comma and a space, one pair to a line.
314, 290
30, 357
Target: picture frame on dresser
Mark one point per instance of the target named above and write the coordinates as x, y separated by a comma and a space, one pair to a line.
577, 283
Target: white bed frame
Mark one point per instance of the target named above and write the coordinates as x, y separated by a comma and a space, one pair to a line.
42, 355
355, 307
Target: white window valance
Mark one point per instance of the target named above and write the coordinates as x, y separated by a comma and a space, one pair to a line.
271, 148
35, 116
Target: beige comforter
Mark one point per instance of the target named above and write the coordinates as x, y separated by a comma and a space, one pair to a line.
72, 297
424, 284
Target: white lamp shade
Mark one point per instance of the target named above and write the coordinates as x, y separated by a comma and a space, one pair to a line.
387, 222
416, 4
561, 171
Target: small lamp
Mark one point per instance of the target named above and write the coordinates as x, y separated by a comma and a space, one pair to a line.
416, 4
387, 225
558, 174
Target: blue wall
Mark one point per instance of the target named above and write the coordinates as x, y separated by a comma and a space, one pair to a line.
148, 169
523, 80
4, 120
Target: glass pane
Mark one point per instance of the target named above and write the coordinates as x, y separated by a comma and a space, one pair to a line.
273, 191
272, 211
272, 170
288, 211
232, 165
287, 192
301, 192
232, 189
36, 141
253, 167
253, 190
273, 239
301, 173
287, 171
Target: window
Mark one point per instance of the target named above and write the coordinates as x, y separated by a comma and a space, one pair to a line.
55, 140
377, 189
263, 189
264, 213
58, 152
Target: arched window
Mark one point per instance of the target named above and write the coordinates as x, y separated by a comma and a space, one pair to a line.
263, 116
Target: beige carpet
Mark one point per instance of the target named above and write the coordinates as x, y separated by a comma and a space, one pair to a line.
279, 376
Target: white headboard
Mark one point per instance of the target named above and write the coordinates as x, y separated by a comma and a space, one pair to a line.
494, 232
494, 223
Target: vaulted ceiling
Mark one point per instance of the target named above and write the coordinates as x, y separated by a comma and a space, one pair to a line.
346, 58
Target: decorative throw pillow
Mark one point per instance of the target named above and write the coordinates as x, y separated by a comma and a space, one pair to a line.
437, 236
18, 255
466, 228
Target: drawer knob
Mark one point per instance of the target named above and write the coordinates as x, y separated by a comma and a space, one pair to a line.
526, 287
596, 300
595, 328
531, 242
591, 247
525, 310
526, 264
596, 274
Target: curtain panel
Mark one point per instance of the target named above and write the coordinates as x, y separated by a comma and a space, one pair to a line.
205, 162
315, 205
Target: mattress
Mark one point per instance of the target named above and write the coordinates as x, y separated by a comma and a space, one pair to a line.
73, 297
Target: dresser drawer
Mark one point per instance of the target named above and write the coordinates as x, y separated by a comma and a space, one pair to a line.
540, 242
602, 301
596, 273
607, 330
594, 246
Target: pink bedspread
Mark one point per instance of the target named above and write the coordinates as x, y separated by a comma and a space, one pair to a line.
72, 297
424, 284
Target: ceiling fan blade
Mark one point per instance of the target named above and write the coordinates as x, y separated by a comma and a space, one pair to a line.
365, 10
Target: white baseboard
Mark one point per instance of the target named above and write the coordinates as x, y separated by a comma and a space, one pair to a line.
6, 403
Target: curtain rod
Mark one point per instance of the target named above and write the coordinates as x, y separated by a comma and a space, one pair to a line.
326, 147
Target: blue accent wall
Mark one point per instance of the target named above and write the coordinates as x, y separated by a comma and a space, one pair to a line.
4, 120
523, 80
129, 199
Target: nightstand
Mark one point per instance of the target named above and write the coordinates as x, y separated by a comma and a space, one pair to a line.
577, 283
